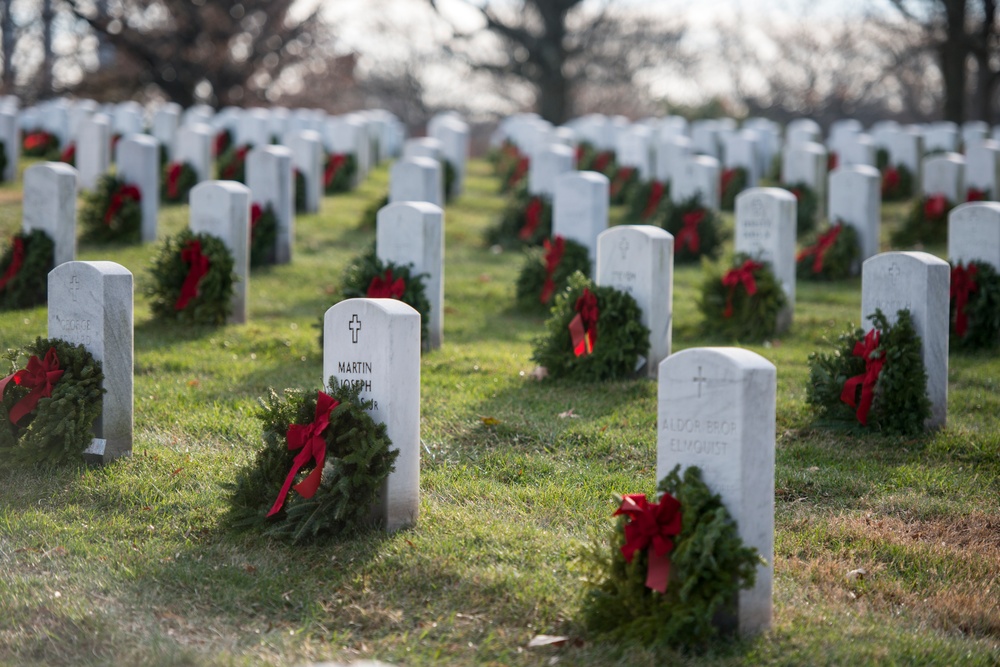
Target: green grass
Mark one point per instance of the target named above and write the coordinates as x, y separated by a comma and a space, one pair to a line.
129, 565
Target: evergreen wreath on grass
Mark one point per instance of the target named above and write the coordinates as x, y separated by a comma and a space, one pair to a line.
649, 203
593, 334
299, 183
731, 183
546, 272
42, 144
450, 176
3, 159
338, 173
743, 302
832, 256
192, 280
369, 277
806, 209
369, 218
69, 154
349, 454
176, 182
975, 306
526, 220
263, 234
233, 164
876, 380
708, 565
24, 270
927, 222
623, 182
975, 194
697, 231
223, 141
511, 167
897, 183
588, 158
881, 159
49, 401
112, 212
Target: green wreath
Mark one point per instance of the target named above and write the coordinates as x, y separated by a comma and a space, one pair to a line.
732, 182
649, 203
833, 255
623, 183
535, 283
512, 168
806, 209
233, 164
68, 155
212, 303
338, 172
900, 404
112, 212
526, 220
358, 460
709, 564
300, 191
897, 183
41, 144
926, 223
881, 159
59, 428
223, 141
24, 270
263, 234
588, 158
620, 342
176, 181
3, 160
751, 317
697, 231
980, 317
369, 217
450, 177
363, 276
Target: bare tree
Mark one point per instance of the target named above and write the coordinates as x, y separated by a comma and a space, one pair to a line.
8, 32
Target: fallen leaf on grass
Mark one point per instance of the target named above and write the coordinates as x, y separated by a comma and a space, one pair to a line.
540, 373
547, 640
569, 414
249, 569
489, 421
176, 472
194, 383
485, 278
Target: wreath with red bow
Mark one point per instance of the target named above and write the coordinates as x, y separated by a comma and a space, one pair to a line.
897, 183
732, 182
176, 182
42, 144
975, 306
68, 155
926, 223
806, 207
833, 255
546, 272
112, 212
697, 231
50, 396
321, 468
593, 334
741, 302
3, 159
192, 280
875, 380
338, 173
233, 163
526, 220
511, 167
588, 158
263, 234
668, 569
649, 203
624, 181
299, 189
24, 270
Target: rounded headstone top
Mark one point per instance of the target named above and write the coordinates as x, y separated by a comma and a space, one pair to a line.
736, 357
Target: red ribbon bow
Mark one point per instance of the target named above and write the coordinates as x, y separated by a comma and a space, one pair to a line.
255, 212
583, 327
532, 218
124, 193
16, 260
651, 527
656, 191
221, 142
308, 438
743, 275
727, 179
173, 179
69, 155
36, 140
229, 171
384, 287
890, 181
832, 160
333, 165
963, 283
819, 249
602, 161
975, 194
873, 366
198, 267
39, 377
688, 235
624, 173
519, 171
935, 208
553, 256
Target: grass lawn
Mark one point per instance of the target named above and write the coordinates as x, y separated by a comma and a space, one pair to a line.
129, 565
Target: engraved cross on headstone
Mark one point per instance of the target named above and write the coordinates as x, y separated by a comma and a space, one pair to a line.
623, 246
74, 286
700, 379
355, 326
894, 272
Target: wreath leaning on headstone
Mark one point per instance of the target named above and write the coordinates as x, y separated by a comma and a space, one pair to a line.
112, 212
833, 255
49, 401
233, 164
192, 280
338, 172
3, 160
697, 231
177, 180
24, 270
588, 158
975, 306
623, 183
927, 222
42, 144
263, 234
593, 334
732, 182
876, 379
742, 302
897, 183
806, 208
334, 453
546, 272
299, 185
649, 203
526, 220
668, 569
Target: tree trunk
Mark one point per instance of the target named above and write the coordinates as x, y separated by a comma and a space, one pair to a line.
954, 52
7, 33
47, 58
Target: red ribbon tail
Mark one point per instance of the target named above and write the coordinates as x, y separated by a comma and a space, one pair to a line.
547, 289
307, 487
850, 391
658, 572
26, 405
579, 336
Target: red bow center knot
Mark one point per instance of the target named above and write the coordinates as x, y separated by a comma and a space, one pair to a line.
868, 350
743, 275
384, 287
553, 256
727, 179
963, 284
583, 327
935, 207
688, 235
174, 179
820, 248
125, 193
40, 376
890, 180
309, 439
532, 218
650, 528
198, 265
255, 212
16, 261
333, 165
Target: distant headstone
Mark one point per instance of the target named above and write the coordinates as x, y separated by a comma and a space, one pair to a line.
698, 176
166, 120
253, 128
801, 131
639, 260
941, 138
307, 159
138, 160
90, 304
806, 162
10, 135
974, 233
765, 230
717, 412
906, 148
919, 282
93, 150
580, 208
635, 150
194, 146
413, 233
740, 150
546, 168
454, 134
705, 138
982, 168
944, 174
672, 154
416, 179
50, 205
974, 132
269, 177
222, 209
856, 200
375, 343
128, 119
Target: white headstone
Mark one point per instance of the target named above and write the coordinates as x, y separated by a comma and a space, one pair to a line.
635, 150
269, 177
944, 174
982, 167
50, 205
138, 160
128, 119
906, 148
307, 158
93, 150
416, 179
716, 411
453, 133
254, 128
222, 209
10, 135
413, 233
806, 162
672, 153
90, 304
919, 282
740, 150
801, 131
974, 233
856, 200
639, 260
974, 132
166, 120
376, 343
765, 230
698, 176
941, 137
580, 208
705, 138
546, 168
194, 146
